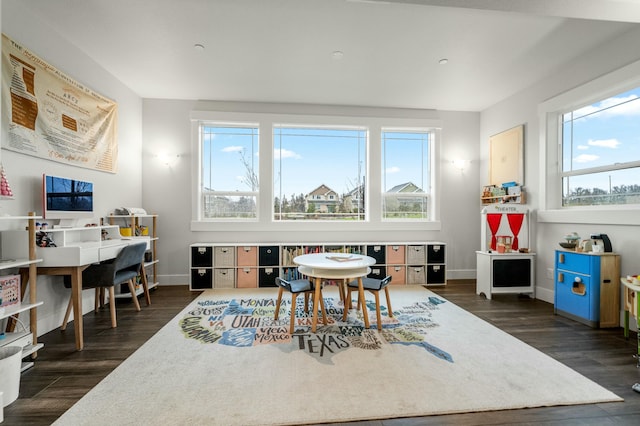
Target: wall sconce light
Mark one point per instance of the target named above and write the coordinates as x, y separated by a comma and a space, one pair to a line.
460, 164
168, 159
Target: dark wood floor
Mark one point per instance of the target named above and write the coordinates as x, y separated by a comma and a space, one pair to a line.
61, 375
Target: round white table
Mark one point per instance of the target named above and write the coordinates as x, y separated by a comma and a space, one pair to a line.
335, 266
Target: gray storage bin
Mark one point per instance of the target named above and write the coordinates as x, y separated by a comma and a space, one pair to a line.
416, 275
224, 278
416, 255
224, 256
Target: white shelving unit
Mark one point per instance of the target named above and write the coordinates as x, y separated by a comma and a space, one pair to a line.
73, 246
27, 339
222, 265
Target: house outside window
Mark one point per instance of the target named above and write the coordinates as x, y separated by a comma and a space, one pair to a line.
406, 156
229, 171
601, 152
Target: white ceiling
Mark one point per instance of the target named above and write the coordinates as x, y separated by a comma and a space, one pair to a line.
281, 50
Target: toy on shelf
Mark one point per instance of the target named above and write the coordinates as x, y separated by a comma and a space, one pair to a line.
509, 192
5, 189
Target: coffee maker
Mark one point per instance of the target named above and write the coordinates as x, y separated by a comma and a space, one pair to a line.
602, 241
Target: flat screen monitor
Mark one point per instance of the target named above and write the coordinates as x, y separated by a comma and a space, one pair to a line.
65, 198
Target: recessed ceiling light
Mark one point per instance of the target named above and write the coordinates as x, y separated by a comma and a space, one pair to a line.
337, 54
198, 46
443, 61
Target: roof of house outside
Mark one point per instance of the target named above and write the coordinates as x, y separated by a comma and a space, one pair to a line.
406, 187
322, 190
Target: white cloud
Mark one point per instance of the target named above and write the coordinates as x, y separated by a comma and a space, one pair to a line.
392, 170
585, 158
284, 153
232, 149
582, 147
604, 143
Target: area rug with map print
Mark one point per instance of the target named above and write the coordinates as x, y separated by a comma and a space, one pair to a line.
224, 360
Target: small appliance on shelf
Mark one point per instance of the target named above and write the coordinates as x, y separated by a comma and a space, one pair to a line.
601, 243
572, 241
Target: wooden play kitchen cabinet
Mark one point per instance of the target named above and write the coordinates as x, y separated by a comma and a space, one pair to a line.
587, 287
220, 265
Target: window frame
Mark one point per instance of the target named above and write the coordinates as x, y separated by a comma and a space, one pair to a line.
326, 126
550, 118
431, 159
226, 193
266, 121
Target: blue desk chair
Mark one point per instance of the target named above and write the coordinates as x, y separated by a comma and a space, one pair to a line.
295, 287
124, 268
373, 285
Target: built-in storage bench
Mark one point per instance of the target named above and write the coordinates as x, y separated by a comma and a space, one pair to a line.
220, 265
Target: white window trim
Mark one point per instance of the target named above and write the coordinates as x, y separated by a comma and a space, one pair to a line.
433, 191
549, 113
198, 181
265, 122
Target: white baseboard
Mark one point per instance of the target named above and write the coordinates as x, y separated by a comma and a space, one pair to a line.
461, 274
545, 295
177, 279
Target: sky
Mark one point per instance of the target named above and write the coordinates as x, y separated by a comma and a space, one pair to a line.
604, 133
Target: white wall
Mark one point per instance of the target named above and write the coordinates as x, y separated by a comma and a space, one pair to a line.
523, 108
167, 129
25, 172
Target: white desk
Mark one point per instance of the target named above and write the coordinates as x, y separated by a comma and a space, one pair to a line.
105, 250
335, 266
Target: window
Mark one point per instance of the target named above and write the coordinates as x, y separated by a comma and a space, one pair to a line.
406, 174
272, 172
229, 171
601, 152
319, 173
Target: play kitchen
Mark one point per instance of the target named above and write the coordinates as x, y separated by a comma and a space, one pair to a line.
597, 243
587, 281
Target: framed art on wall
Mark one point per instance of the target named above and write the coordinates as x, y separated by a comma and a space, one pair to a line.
506, 156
